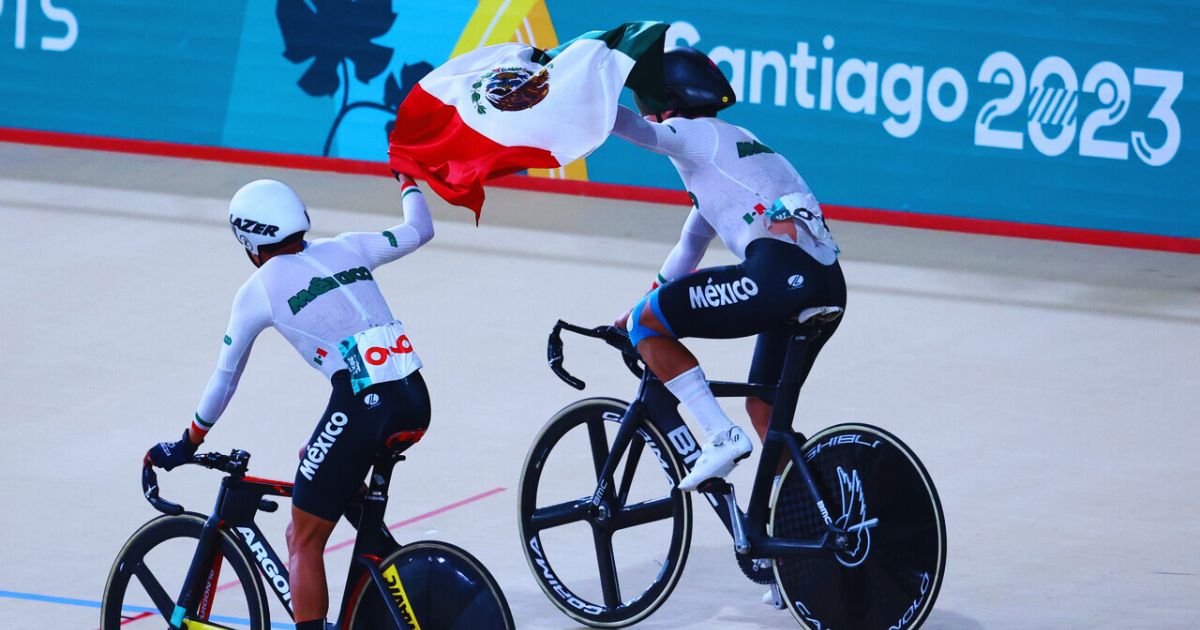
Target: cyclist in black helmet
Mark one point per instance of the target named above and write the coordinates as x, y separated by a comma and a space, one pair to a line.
764, 212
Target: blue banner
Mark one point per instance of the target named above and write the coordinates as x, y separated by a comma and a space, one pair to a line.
1078, 114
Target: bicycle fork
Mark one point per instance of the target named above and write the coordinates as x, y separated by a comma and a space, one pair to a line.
203, 573
606, 470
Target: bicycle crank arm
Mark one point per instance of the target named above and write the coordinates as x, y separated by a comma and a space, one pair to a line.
741, 542
723, 491
867, 524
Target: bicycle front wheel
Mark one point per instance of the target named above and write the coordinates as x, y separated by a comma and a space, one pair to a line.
889, 574
434, 585
149, 572
613, 564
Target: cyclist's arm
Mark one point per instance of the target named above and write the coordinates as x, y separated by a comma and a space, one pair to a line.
686, 255
678, 137
251, 314
378, 248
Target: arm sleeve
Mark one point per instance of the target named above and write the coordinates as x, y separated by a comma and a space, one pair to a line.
378, 248
251, 314
691, 140
686, 255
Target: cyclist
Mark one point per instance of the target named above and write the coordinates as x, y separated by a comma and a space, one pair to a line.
321, 296
765, 213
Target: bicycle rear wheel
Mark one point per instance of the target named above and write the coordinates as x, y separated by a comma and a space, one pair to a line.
435, 585
148, 576
889, 576
611, 565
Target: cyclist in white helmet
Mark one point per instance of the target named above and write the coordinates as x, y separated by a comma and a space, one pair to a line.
322, 297
764, 212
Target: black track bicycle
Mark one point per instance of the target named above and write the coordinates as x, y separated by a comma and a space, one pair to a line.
426, 584
851, 533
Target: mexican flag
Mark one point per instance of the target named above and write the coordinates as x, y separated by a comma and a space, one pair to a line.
509, 107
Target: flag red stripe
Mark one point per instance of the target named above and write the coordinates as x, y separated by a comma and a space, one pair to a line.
433, 143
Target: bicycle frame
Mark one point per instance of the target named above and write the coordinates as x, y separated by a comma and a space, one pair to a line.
656, 405
240, 498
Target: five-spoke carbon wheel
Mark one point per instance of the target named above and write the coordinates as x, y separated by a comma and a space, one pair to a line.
149, 572
888, 573
435, 585
610, 564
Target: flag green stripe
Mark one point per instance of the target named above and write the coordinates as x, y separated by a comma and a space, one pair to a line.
200, 421
641, 41
632, 39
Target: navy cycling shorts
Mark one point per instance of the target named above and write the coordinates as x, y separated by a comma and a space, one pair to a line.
776, 281
350, 434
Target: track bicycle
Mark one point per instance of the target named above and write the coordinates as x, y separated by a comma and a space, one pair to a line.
427, 584
850, 534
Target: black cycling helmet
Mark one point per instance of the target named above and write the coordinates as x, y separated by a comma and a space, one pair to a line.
693, 85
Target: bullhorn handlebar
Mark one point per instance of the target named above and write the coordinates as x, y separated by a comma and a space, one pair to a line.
612, 335
235, 463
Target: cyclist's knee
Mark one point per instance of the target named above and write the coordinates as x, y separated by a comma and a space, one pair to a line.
647, 320
759, 411
308, 531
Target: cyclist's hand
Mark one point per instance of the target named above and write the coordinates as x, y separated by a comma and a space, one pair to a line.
168, 455
623, 321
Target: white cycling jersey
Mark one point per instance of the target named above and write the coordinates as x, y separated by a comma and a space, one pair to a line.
315, 299
735, 182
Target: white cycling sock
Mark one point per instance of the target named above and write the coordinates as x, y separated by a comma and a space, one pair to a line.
692, 390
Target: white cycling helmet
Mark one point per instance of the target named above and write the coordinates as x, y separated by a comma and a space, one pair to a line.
265, 212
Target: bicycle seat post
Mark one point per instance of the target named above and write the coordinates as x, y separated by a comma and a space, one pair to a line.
806, 327
389, 455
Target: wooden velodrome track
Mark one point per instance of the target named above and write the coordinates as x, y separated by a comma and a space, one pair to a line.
1051, 389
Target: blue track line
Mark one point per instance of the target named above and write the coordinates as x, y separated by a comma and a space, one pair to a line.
88, 603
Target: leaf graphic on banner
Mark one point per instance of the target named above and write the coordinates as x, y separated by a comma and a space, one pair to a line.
395, 92
331, 32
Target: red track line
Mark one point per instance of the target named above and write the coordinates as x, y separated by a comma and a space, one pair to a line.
346, 543
137, 616
421, 517
950, 223
408, 521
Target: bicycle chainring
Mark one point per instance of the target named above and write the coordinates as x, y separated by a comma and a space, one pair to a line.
757, 571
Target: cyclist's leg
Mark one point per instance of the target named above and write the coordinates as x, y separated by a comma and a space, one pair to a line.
769, 350
825, 286
723, 302
658, 343
327, 471
338, 455
307, 535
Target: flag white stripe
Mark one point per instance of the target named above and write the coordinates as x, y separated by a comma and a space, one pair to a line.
575, 116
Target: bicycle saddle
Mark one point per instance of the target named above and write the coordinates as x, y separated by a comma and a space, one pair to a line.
397, 443
817, 315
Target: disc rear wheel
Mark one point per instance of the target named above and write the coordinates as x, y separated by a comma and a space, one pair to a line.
435, 585
889, 573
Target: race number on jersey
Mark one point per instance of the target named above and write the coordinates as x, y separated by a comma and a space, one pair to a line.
379, 355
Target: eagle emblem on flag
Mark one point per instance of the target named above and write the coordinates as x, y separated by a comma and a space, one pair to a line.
511, 89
